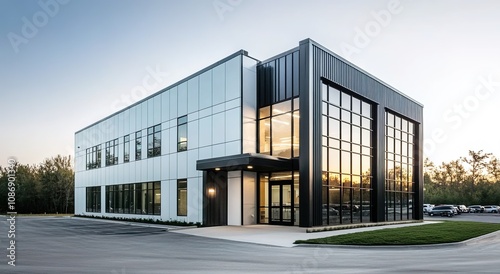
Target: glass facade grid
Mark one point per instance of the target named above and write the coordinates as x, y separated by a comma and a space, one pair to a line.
138, 198
279, 129
346, 157
399, 167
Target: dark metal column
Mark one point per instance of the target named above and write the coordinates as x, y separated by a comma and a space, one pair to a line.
306, 153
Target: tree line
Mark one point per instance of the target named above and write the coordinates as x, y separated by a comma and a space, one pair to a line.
44, 188
49, 186
473, 179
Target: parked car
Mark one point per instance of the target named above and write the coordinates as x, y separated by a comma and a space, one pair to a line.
463, 208
428, 207
444, 210
457, 210
491, 209
476, 209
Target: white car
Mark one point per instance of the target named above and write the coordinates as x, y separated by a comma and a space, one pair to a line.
428, 207
491, 209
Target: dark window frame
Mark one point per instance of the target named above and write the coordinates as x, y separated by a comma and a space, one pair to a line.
400, 181
182, 210
135, 198
93, 199
154, 140
138, 145
126, 148
344, 111
93, 157
111, 152
182, 134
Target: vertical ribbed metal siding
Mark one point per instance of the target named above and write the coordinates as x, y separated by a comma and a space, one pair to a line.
351, 78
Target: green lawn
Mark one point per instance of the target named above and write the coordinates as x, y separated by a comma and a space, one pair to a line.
445, 232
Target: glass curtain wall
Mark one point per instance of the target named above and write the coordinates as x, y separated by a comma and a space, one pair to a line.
279, 129
399, 167
278, 135
139, 198
278, 93
347, 155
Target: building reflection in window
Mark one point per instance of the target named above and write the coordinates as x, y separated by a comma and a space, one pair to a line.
399, 167
346, 157
279, 129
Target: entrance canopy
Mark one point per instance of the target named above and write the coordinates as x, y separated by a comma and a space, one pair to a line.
248, 161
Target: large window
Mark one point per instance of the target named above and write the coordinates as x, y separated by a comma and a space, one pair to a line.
182, 197
279, 129
139, 198
138, 145
182, 133
399, 167
154, 141
93, 203
93, 157
126, 148
278, 102
112, 152
347, 124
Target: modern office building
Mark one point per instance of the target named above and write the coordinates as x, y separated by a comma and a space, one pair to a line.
304, 138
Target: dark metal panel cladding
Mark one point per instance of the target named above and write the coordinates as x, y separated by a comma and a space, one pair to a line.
378, 184
305, 160
352, 78
332, 67
318, 65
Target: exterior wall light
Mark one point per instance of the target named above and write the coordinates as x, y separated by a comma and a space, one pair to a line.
211, 192
249, 167
217, 168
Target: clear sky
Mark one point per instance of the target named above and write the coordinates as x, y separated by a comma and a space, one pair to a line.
67, 64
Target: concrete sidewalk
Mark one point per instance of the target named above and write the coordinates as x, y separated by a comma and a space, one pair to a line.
283, 236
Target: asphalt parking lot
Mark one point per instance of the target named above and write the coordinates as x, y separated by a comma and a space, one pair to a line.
473, 217
73, 245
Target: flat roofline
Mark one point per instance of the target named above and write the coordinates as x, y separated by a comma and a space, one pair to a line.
225, 59
312, 42
279, 55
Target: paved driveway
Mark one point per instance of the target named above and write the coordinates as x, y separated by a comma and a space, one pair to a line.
64, 245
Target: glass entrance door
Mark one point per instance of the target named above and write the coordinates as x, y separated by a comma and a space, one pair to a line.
281, 203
